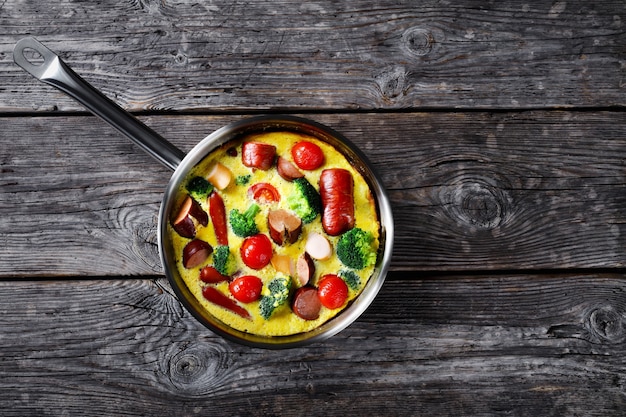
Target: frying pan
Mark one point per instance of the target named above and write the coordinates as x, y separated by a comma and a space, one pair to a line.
47, 67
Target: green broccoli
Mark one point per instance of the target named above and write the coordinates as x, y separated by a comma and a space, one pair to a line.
305, 201
199, 188
243, 179
351, 278
224, 261
243, 224
279, 294
356, 249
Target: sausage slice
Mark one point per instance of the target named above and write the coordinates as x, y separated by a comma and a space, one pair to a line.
305, 268
306, 303
284, 226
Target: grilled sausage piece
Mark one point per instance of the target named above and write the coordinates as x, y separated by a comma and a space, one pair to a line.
337, 192
258, 155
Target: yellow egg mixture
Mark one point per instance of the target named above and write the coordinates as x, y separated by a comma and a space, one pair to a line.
283, 321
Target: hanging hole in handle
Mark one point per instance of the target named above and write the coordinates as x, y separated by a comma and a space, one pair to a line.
33, 56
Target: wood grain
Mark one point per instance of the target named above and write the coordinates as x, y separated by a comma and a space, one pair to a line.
519, 344
497, 129
469, 191
276, 55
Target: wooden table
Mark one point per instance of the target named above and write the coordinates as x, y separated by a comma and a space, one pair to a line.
498, 129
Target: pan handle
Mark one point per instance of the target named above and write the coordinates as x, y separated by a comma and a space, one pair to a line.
55, 72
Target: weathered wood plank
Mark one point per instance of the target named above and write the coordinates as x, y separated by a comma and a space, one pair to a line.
184, 55
484, 345
469, 191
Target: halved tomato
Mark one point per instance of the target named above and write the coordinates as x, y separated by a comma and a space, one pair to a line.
264, 193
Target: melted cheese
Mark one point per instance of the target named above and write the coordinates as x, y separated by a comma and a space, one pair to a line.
283, 321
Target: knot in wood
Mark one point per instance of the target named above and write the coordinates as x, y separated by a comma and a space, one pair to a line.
180, 58
477, 204
392, 82
196, 368
418, 41
607, 324
145, 245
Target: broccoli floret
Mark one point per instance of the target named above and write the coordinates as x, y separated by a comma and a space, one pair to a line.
356, 249
351, 278
224, 261
243, 224
305, 200
279, 294
199, 188
243, 179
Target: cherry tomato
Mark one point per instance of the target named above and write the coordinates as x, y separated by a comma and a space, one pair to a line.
264, 193
333, 291
256, 251
307, 155
246, 288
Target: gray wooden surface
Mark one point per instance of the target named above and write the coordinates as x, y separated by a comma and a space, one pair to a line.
498, 129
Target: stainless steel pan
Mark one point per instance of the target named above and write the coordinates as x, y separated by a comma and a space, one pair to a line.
47, 67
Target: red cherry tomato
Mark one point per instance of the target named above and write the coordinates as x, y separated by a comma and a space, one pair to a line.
256, 251
333, 291
264, 193
246, 288
307, 155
